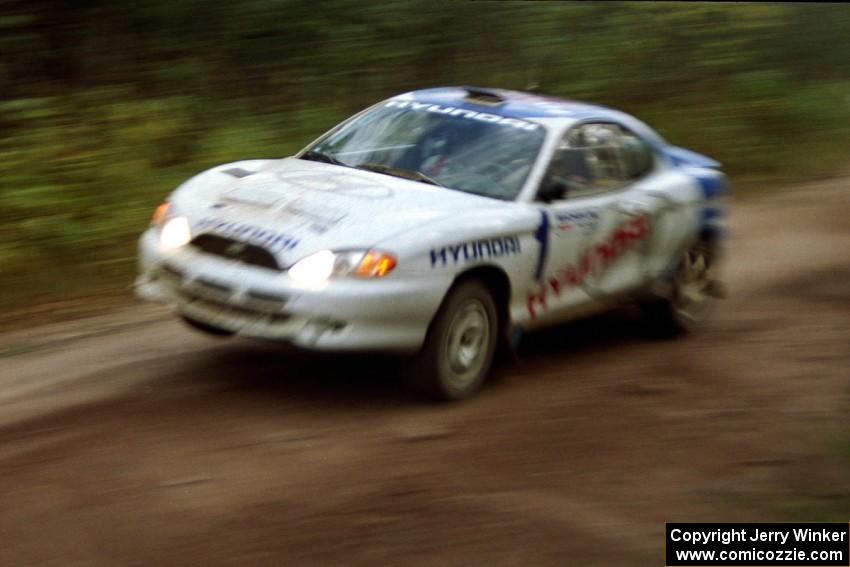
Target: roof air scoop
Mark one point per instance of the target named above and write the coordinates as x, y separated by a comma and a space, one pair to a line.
483, 96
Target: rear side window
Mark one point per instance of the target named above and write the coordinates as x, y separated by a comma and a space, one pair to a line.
638, 157
600, 146
598, 157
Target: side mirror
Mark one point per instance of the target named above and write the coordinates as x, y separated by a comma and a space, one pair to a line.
551, 190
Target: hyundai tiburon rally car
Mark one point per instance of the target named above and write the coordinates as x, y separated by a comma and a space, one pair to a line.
441, 223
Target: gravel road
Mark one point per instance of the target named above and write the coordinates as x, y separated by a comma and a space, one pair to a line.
127, 439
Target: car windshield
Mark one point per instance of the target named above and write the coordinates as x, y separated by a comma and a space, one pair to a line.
476, 152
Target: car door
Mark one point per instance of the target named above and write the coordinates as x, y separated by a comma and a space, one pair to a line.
595, 220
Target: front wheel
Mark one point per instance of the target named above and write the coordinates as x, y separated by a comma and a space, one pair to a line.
460, 344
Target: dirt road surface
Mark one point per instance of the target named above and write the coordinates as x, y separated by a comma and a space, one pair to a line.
126, 439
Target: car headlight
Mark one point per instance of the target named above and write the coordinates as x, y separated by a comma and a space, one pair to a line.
175, 233
316, 269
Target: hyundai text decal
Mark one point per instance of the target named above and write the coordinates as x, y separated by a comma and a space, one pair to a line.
592, 262
475, 250
454, 111
253, 234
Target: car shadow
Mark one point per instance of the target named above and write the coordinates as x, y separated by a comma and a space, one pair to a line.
269, 369
597, 332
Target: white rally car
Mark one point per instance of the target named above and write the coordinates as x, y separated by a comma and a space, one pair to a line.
439, 223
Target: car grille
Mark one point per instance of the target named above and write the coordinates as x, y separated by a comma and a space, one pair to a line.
209, 290
233, 310
236, 250
218, 294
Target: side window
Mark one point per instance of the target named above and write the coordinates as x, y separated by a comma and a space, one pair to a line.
600, 144
594, 158
638, 158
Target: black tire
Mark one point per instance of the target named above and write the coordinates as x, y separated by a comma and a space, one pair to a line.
437, 371
676, 311
207, 328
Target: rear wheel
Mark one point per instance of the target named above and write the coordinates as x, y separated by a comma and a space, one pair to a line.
689, 297
460, 344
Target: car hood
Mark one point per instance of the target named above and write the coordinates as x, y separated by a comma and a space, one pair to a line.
296, 207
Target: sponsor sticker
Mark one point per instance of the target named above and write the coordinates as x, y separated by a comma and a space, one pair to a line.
581, 222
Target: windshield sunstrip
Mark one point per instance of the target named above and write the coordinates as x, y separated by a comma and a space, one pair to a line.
462, 112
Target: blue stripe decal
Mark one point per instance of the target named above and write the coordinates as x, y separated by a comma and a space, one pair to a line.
542, 236
712, 213
712, 185
711, 223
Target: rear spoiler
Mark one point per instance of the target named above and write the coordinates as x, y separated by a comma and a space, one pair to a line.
681, 156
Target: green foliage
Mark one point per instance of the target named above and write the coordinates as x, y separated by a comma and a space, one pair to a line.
105, 107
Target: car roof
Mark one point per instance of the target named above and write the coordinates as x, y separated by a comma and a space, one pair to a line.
530, 106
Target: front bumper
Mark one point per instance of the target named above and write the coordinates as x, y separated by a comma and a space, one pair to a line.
389, 314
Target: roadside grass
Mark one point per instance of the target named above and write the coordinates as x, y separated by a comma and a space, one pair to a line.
18, 349
69, 291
